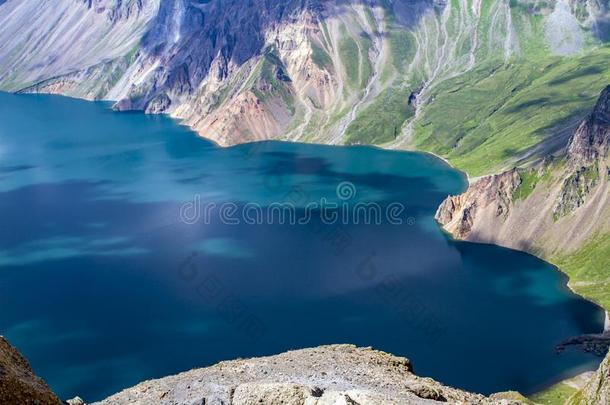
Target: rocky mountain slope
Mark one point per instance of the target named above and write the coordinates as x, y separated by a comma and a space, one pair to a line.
332, 71
557, 208
18, 384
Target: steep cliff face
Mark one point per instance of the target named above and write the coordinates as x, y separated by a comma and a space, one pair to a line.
18, 384
555, 208
490, 199
72, 47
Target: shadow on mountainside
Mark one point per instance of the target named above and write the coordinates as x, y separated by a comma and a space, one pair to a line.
196, 35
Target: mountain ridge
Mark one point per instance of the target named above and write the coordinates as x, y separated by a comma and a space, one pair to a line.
339, 72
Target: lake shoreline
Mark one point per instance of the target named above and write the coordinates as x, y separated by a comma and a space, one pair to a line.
391, 173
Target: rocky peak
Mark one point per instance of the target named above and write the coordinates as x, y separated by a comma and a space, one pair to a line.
601, 113
458, 213
587, 151
590, 141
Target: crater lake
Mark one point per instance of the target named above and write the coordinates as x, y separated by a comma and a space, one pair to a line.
114, 268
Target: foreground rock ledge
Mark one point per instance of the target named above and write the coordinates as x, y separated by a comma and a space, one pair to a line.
338, 374
597, 390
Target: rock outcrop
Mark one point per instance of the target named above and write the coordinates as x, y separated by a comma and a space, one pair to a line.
489, 197
551, 208
586, 154
597, 390
591, 140
598, 343
18, 383
338, 374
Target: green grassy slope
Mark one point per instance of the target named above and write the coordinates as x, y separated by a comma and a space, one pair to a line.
381, 121
485, 119
588, 269
558, 394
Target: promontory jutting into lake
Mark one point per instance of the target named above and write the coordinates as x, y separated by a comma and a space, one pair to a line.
115, 270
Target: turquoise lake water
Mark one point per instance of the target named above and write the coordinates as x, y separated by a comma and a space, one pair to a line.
112, 271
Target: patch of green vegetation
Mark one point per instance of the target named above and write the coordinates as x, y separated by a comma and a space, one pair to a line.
273, 81
370, 19
320, 57
580, 12
512, 397
588, 269
484, 30
350, 57
354, 54
577, 399
529, 27
591, 174
577, 187
482, 120
131, 55
332, 120
456, 123
552, 168
557, 394
402, 47
117, 71
382, 120
366, 69
529, 181
228, 88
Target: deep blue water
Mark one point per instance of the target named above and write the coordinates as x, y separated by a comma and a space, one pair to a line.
102, 284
